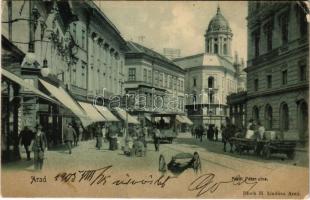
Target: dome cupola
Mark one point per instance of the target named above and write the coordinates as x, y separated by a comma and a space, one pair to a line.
218, 36
218, 23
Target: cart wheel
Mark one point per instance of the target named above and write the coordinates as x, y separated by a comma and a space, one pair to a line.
291, 155
266, 152
162, 164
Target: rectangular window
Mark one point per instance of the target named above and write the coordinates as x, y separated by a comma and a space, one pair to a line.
302, 72
284, 27
175, 83
269, 81
145, 75
268, 32
83, 39
150, 76
182, 86
161, 77
256, 42
284, 77
194, 82
83, 84
155, 78
170, 81
132, 74
303, 24
166, 81
256, 85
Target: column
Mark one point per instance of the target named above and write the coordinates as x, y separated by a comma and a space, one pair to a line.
16, 105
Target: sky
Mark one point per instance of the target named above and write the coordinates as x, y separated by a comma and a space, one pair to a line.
174, 24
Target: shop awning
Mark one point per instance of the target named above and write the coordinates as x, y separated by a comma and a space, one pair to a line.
187, 120
23, 83
148, 117
180, 119
122, 114
62, 96
106, 113
92, 112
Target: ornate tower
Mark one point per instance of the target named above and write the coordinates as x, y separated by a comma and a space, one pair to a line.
218, 36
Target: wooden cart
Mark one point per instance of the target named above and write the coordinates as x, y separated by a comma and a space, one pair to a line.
265, 148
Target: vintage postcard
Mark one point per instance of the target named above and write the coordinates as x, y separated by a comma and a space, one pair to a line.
155, 99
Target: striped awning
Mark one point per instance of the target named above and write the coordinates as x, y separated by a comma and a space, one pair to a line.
122, 114
106, 113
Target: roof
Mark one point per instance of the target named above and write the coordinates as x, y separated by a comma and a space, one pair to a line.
205, 59
218, 23
101, 14
138, 48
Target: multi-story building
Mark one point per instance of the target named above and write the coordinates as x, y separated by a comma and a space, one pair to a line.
66, 43
213, 75
278, 67
155, 81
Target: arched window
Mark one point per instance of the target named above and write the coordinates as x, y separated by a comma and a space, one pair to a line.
284, 117
225, 49
211, 82
215, 48
303, 120
255, 114
268, 117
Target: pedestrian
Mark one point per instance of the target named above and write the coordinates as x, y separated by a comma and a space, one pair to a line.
69, 135
156, 137
39, 145
145, 132
227, 133
193, 131
201, 132
81, 132
112, 137
98, 134
260, 131
26, 136
76, 137
210, 133
216, 132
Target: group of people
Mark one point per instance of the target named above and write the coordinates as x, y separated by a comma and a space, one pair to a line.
34, 141
211, 132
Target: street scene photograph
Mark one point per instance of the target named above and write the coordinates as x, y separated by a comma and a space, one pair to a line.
155, 99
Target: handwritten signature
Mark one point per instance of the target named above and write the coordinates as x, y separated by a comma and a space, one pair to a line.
206, 183
103, 176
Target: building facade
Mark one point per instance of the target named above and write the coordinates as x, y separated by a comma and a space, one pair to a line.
278, 67
69, 44
156, 82
213, 75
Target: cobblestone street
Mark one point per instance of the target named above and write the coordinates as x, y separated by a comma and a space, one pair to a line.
211, 154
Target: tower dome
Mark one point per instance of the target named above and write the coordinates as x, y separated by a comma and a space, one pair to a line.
218, 23
218, 36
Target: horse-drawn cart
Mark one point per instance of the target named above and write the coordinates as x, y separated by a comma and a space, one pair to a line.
265, 148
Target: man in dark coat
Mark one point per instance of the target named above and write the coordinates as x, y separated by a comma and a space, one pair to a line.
216, 132
69, 135
26, 136
156, 138
39, 146
227, 134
